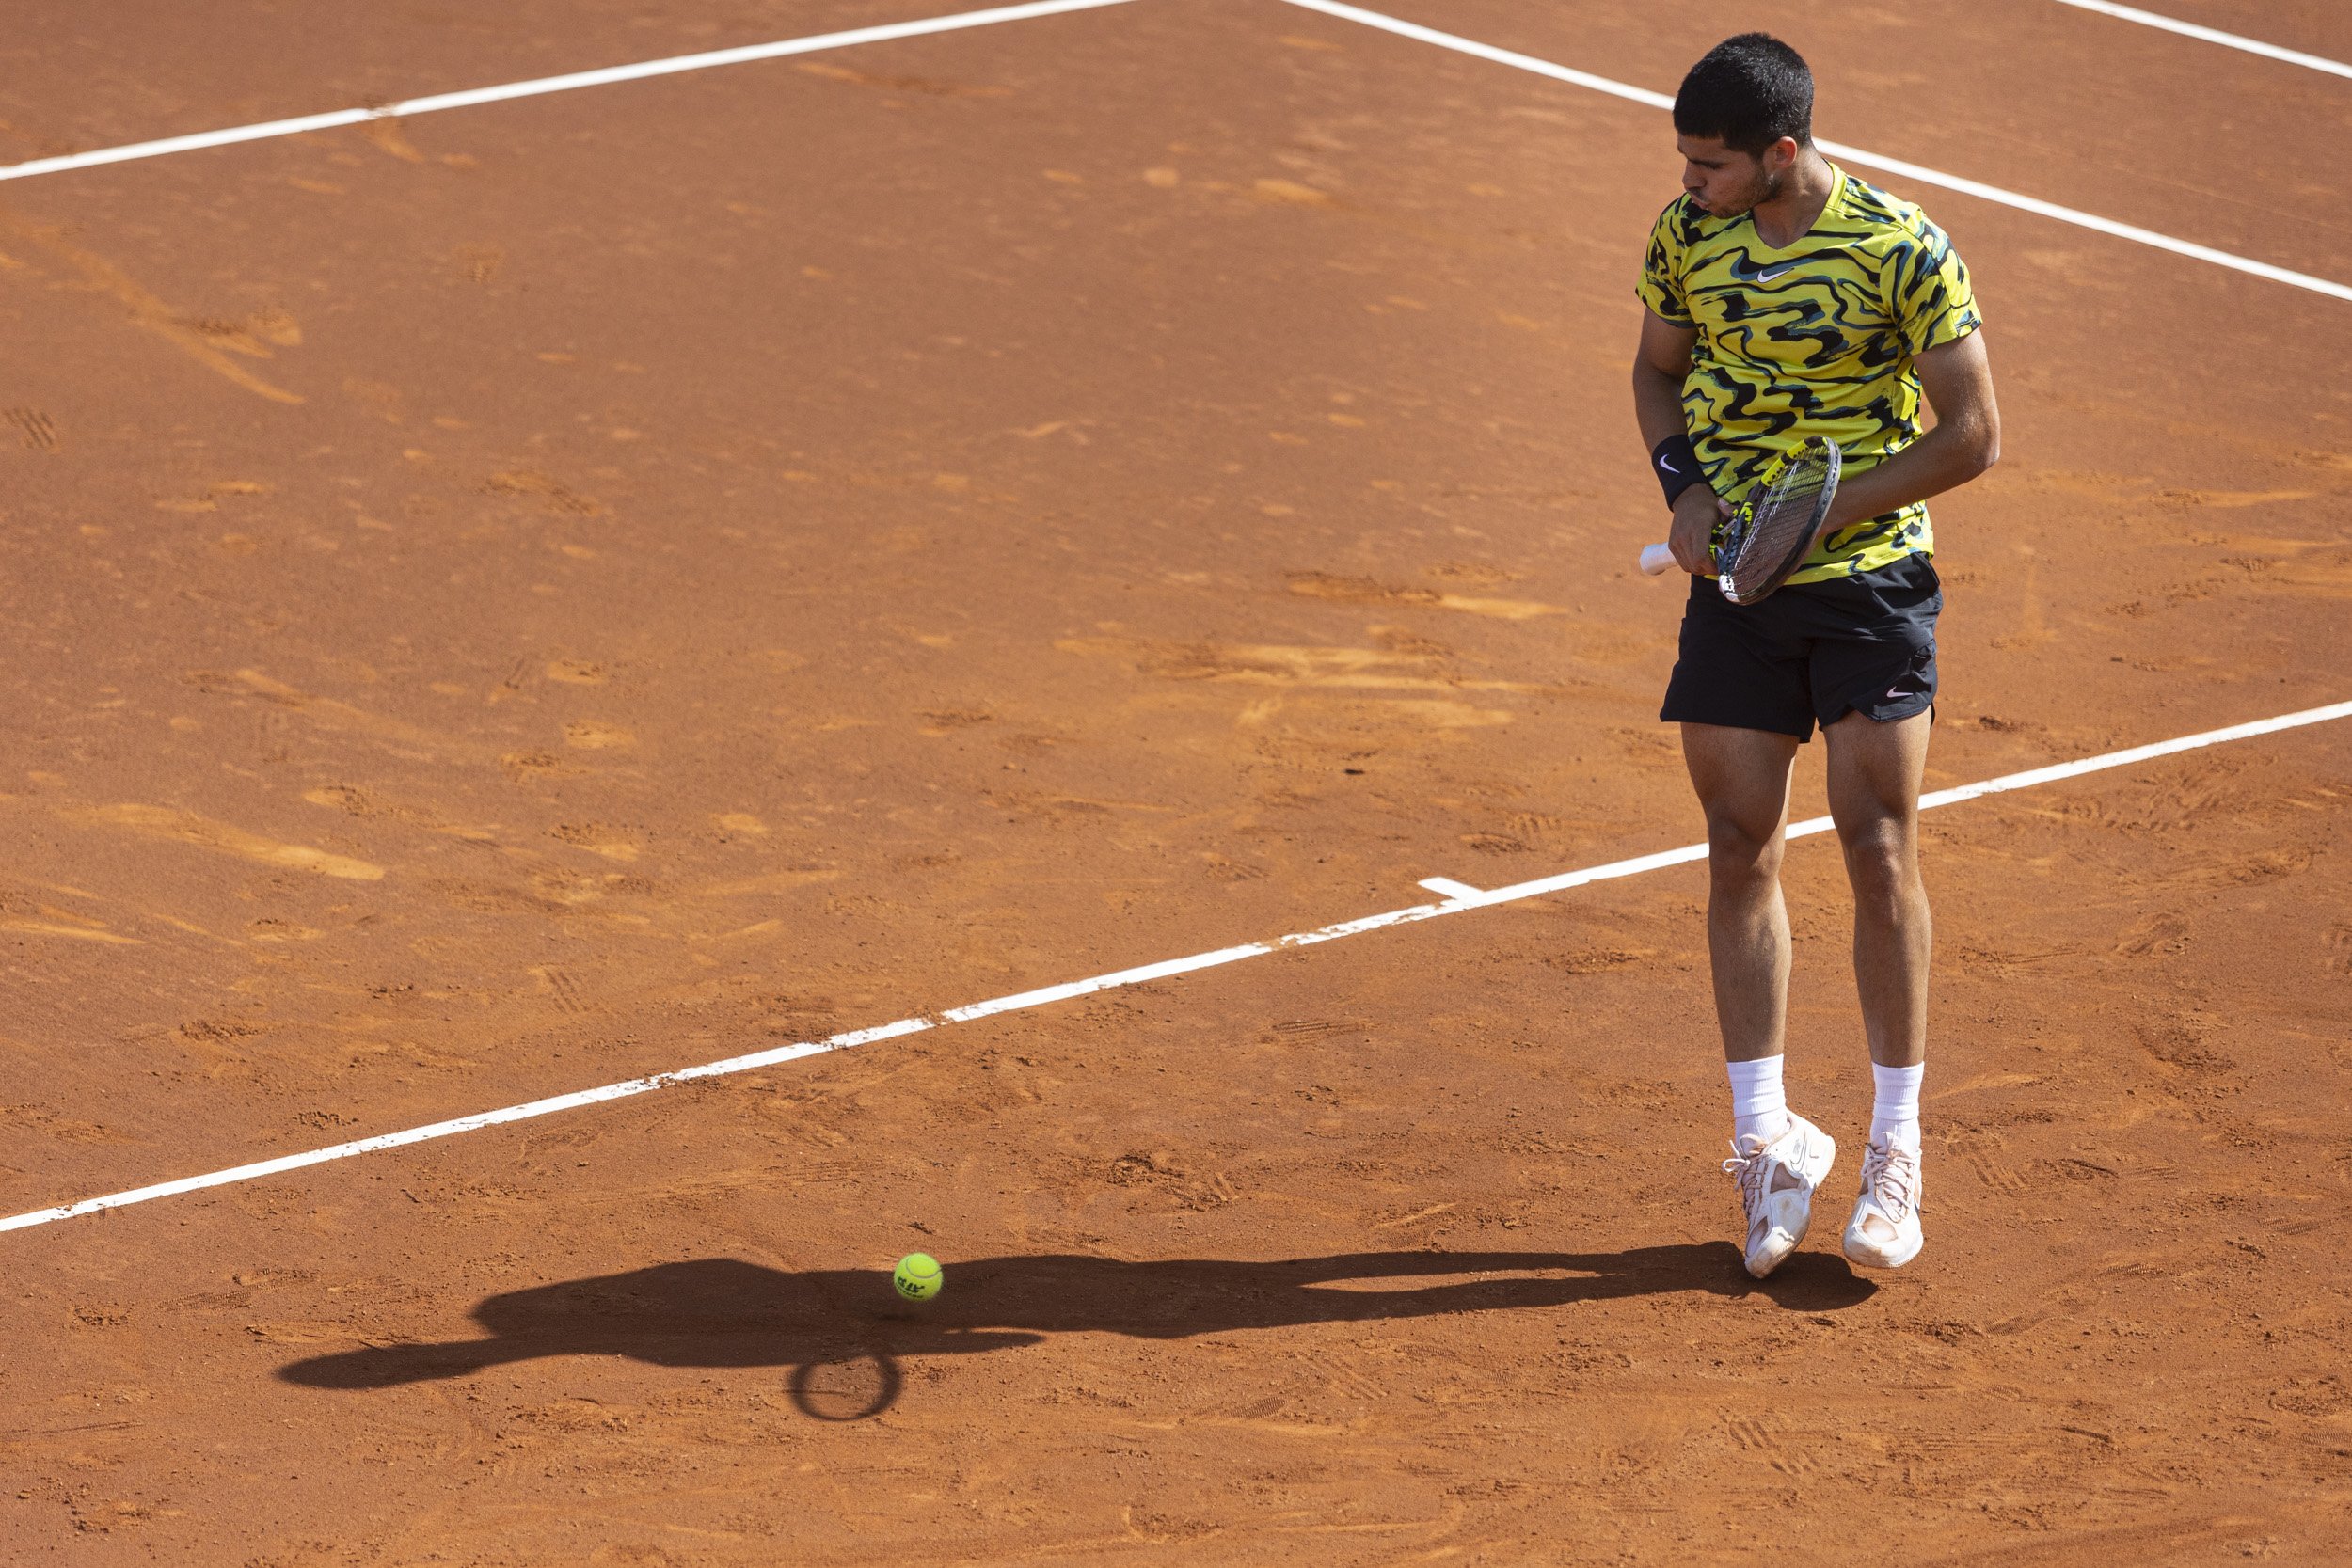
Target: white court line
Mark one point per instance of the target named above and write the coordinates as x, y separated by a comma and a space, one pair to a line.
1915, 172
674, 65
1468, 898
2212, 35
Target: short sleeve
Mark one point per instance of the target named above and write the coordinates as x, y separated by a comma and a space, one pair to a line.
1660, 287
1933, 302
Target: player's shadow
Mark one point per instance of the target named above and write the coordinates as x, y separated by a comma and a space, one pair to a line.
844, 1330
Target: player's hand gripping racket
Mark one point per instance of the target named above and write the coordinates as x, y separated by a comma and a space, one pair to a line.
1773, 530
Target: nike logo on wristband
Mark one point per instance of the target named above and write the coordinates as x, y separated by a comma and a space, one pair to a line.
1668, 466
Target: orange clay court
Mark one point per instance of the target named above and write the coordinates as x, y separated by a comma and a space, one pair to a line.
512, 598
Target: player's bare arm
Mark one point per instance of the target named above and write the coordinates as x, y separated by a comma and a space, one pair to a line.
1956, 379
1659, 365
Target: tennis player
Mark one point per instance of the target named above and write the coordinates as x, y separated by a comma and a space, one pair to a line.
1785, 298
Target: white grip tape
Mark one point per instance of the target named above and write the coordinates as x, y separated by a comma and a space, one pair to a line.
1656, 559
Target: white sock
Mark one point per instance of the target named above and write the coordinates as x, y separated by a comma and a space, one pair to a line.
1895, 1110
1759, 1106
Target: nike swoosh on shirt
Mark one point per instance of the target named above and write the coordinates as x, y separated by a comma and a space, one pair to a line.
1770, 277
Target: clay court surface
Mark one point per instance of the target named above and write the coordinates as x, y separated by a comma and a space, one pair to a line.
514, 599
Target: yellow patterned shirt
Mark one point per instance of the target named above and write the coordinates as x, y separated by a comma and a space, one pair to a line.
1817, 337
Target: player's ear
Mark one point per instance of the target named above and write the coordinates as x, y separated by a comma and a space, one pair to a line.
1781, 156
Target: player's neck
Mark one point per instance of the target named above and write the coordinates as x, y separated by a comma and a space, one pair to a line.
1788, 216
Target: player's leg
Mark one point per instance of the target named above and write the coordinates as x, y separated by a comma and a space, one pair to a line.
1874, 770
1874, 773
1878, 690
1874, 678
1742, 779
1778, 1158
1741, 692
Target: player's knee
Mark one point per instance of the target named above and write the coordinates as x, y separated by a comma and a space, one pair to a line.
1881, 861
1737, 850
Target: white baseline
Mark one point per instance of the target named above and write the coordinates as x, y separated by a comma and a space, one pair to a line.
2212, 35
607, 77
1915, 172
1459, 898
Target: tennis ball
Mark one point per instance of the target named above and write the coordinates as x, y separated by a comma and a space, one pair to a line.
918, 1277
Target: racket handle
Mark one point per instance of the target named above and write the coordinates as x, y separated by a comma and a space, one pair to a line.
1656, 559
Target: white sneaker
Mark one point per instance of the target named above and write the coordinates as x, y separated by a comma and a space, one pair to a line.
1776, 1182
1884, 1230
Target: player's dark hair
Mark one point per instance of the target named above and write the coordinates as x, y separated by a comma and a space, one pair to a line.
1748, 92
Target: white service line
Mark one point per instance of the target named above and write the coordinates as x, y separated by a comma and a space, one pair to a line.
1457, 902
674, 65
1911, 171
2212, 35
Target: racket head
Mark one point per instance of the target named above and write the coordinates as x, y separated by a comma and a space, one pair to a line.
1771, 533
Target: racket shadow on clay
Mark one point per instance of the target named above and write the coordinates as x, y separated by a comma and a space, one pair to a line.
844, 1331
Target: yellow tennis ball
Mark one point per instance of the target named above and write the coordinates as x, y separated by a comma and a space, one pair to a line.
918, 1277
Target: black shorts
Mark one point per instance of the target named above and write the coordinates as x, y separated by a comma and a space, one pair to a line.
1814, 651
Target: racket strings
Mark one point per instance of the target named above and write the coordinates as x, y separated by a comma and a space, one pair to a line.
1785, 511
1779, 521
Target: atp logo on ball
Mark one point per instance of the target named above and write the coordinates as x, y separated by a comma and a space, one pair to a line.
917, 1276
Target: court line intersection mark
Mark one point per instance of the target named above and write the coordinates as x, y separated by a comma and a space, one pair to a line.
1458, 898
1915, 172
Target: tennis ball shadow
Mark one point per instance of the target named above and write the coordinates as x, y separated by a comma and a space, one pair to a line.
844, 1330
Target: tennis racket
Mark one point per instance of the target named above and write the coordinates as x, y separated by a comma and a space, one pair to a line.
1773, 530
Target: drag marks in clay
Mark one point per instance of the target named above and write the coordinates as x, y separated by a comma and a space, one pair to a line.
36, 428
